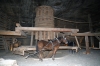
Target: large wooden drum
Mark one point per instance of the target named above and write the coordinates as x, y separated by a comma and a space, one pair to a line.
44, 17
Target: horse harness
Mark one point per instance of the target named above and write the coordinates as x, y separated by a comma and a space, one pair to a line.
52, 43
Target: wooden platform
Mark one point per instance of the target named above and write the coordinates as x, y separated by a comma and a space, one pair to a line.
69, 47
21, 50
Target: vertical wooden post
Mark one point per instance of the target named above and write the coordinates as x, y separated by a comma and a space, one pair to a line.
36, 44
31, 43
44, 35
91, 30
54, 35
40, 35
36, 35
87, 45
48, 34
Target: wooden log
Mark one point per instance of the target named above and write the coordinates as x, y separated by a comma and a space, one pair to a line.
86, 34
10, 33
87, 45
77, 42
47, 29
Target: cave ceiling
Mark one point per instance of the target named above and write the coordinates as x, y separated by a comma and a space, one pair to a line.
23, 11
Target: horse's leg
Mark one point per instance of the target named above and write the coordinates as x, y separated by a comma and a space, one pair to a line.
41, 55
50, 54
54, 52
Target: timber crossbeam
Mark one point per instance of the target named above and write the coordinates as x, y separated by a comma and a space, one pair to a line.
46, 29
11, 33
86, 34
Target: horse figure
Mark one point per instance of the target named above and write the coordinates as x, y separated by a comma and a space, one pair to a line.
49, 45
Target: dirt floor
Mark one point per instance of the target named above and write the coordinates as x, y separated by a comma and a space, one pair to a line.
62, 58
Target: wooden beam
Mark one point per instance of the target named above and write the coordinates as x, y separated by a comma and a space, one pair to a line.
12, 33
86, 34
47, 29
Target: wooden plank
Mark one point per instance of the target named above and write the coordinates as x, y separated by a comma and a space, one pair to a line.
47, 29
86, 34
69, 47
9, 33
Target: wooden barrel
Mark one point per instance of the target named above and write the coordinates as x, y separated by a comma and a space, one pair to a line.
44, 17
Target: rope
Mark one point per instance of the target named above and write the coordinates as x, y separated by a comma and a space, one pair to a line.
70, 21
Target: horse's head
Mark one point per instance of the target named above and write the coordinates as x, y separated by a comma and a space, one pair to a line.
62, 40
